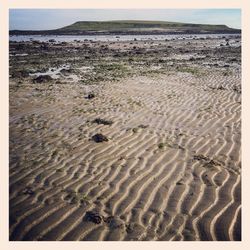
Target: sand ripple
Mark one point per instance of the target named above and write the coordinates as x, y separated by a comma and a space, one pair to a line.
170, 170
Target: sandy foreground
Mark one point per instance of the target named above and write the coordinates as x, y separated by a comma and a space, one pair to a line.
169, 167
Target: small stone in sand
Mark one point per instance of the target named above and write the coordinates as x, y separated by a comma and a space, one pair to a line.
93, 217
99, 138
102, 121
28, 190
90, 96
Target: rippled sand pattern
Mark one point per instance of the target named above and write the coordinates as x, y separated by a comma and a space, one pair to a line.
170, 170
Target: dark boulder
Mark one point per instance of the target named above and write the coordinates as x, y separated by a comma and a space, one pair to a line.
99, 138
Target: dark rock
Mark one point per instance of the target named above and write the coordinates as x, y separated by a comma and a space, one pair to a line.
138, 52
143, 126
233, 60
42, 79
207, 161
36, 42
108, 219
28, 190
236, 89
102, 121
90, 96
93, 217
221, 88
66, 71
99, 138
44, 47
201, 158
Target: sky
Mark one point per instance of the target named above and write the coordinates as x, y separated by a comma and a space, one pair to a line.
38, 19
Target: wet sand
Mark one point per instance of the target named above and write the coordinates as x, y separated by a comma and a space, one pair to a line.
168, 166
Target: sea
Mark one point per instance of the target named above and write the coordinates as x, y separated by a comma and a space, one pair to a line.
113, 38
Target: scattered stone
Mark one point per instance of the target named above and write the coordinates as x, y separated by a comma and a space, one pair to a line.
180, 182
44, 47
221, 88
143, 126
42, 79
161, 145
108, 219
28, 190
66, 71
102, 121
99, 138
201, 158
90, 96
233, 60
93, 217
236, 89
207, 161
135, 130
36, 42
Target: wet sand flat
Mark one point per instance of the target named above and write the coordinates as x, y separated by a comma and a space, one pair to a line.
168, 166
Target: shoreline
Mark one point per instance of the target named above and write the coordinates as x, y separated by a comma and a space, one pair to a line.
94, 33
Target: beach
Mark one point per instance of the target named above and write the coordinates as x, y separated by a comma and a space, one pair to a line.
125, 139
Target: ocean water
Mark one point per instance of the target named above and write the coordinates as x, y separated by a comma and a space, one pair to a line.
113, 38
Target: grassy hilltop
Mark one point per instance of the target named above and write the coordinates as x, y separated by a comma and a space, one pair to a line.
131, 27
128, 25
